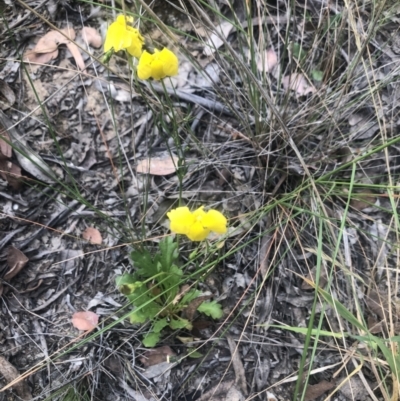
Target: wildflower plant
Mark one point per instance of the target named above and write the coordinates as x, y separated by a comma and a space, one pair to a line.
156, 293
154, 289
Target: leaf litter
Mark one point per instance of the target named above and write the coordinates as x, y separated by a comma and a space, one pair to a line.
63, 274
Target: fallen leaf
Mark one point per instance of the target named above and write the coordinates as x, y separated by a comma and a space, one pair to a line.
378, 304
48, 46
266, 62
7, 94
86, 321
298, 83
240, 380
182, 291
16, 261
214, 42
5, 147
156, 355
362, 200
76, 54
28, 159
11, 173
374, 326
10, 374
91, 36
92, 235
191, 309
311, 276
314, 391
42, 58
49, 42
160, 165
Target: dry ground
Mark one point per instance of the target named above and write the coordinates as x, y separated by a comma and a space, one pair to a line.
305, 181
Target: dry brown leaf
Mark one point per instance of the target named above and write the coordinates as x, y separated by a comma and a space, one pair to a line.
374, 327
312, 276
161, 165
86, 320
10, 374
16, 261
240, 381
52, 39
156, 355
362, 200
316, 390
298, 83
47, 47
7, 94
182, 291
10, 172
73, 48
91, 36
28, 159
92, 235
41, 58
191, 309
5, 147
378, 304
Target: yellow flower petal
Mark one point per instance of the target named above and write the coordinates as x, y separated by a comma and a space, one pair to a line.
122, 36
144, 66
199, 213
158, 65
170, 62
157, 69
181, 220
215, 221
196, 225
197, 232
137, 41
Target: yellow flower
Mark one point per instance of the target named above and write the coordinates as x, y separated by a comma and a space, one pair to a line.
198, 224
122, 36
158, 65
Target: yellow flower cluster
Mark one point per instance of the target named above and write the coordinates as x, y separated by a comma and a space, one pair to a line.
121, 36
196, 225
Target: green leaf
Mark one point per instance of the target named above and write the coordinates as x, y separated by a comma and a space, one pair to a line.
142, 296
298, 51
138, 316
170, 282
151, 339
317, 75
128, 283
189, 296
179, 323
144, 262
160, 324
212, 309
169, 253
192, 353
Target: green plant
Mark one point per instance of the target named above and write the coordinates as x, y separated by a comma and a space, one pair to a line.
157, 295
